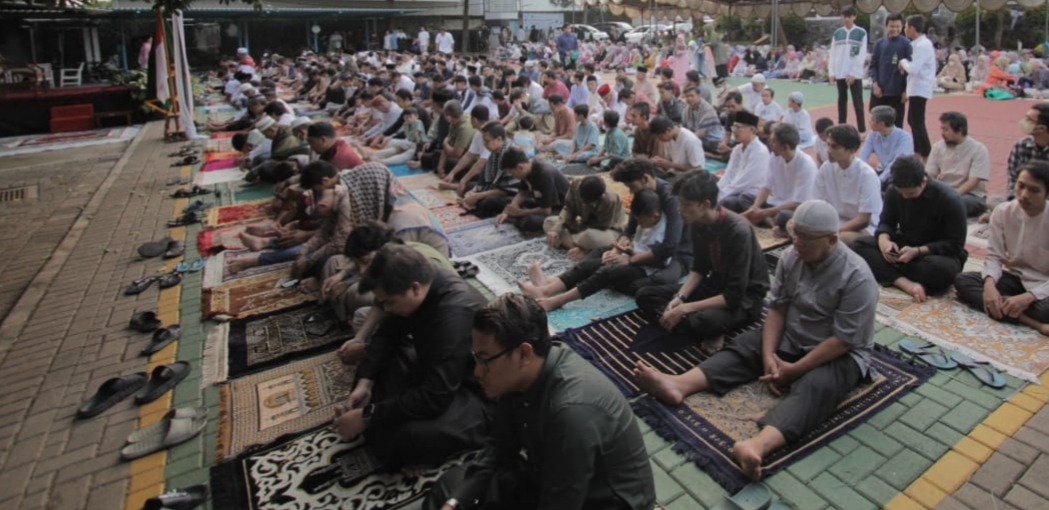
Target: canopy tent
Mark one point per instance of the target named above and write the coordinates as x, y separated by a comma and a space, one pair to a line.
748, 8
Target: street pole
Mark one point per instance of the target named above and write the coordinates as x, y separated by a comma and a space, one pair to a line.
977, 23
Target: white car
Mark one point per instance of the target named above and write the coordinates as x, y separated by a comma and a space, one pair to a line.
588, 33
643, 33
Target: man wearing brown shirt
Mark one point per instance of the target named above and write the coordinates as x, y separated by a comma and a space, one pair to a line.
645, 143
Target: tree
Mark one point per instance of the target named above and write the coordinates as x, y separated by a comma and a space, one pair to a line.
170, 6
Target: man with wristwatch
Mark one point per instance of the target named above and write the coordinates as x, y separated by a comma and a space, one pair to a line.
415, 399
563, 436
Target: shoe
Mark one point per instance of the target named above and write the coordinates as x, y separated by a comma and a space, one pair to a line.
145, 322
178, 499
161, 338
153, 431
139, 286
174, 249
189, 192
189, 218
170, 280
173, 432
187, 161
197, 206
109, 393
154, 248
164, 378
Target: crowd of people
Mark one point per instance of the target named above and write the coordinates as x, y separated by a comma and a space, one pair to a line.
499, 131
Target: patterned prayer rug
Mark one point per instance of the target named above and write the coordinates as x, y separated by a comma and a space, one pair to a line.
767, 241
46, 142
705, 426
297, 396
265, 340
218, 164
315, 471
218, 145
501, 270
216, 268
230, 214
219, 176
214, 240
420, 180
431, 198
215, 156
253, 295
452, 216
481, 236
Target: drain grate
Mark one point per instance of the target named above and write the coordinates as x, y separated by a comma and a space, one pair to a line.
23, 194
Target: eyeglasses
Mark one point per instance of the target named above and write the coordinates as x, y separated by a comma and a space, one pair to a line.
484, 362
803, 238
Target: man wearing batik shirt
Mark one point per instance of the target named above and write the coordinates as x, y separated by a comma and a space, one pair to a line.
1034, 124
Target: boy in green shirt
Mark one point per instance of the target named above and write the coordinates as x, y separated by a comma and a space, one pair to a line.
617, 145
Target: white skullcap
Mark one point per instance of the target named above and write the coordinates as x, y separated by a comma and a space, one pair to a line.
817, 216
265, 123
255, 138
797, 97
241, 51
244, 87
300, 121
757, 78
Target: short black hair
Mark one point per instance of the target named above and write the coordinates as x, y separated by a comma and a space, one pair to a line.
894, 16
395, 268
513, 319
404, 94
581, 110
633, 170
786, 134
692, 75
411, 110
845, 136
917, 22
849, 11
1037, 169
313, 173
525, 123
321, 129
697, 187
283, 171
555, 99
958, 122
611, 118
494, 129
660, 124
642, 108
239, 140
666, 72
1043, 113
645, 203
480, 112
474, 81
734, 95
591, 188
512, 158
907, 172
823, 124
275, 108
368, 237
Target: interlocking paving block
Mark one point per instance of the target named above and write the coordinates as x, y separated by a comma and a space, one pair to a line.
857, 465
944, 434
973, 393
1018, 451
1035, 439
811, 466
998, 474
887, 416
1040, 421
876, 490
1020, 497
939, 395
987, 435
1007, 419
902, 469
654, 443
844, 445
951, 471
878, 441
980, 499
667, 489
669, 459
925, 493
685, 502
964, 416
928, 447
799, 494
903, 502
973, 449
1028, 403
1037, 477
923, 414
889, 336
840, 494
698, 484
911, 399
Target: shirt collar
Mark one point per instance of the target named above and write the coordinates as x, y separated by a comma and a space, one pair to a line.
534, 393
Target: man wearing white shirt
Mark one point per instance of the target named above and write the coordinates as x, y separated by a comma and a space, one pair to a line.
445, 42
424, 40
685, 148
921, 79
748, 165
849, 184
751, 92
848, 54
791, 181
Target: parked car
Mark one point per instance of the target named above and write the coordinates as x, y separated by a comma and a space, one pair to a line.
643, 33
615, 29
588, 33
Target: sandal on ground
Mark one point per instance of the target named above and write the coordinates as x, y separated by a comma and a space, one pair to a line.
164, 378
156, 430
145, 322
193, 267
187, 161
981, 369
189, 218
161, 338
755, 496
470, 271
170, 280
178, 181
319, 323
174, 432
154, 248
175, 249
186, 498
140, 286
189, 192
197, 206
111, 392
925, 353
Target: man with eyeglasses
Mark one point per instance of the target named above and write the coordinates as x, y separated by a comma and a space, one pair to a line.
563, 436
415, 399
813, 349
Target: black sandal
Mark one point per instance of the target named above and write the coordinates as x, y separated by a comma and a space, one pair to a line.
189, 192
140, 286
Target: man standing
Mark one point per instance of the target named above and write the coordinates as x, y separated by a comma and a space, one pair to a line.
921, 80
886, 141
564, 436
718, 296
567, 47
919, 246
445, 42
424, 40
848, 54
416, 407
961, 162
888, 83
814, 347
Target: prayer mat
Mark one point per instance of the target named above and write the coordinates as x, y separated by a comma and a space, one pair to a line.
268, 339
243, 193
219, 164
214, 240
501, 269
1015, 349
216, 268
715, 167
219, 176
223, 135
452, 216
316, 470
481, 236
431, 198
625, 196
705, 426
419, 180
230, 214
402, 170
767, 241
253, 295
46, 142
297, 396
218, 145
581, 169
214, 156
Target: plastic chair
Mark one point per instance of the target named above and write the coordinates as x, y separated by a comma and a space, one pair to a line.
71, 77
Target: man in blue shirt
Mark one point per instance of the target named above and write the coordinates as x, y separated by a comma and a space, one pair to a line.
567, 47
888, 83
886, 141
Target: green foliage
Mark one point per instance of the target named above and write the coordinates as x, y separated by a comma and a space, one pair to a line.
1029, 29
794, 27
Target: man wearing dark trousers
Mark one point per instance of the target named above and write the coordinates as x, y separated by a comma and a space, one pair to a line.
848, 55
921, 80
888, 82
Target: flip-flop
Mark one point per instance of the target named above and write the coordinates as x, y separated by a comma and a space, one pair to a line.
175, 432
154, 248
755, 496
179, 181
935, 359
470, 272
164, 378
981, 369
189, 218
140, 286
145, 322
109, 393
175, 249
187, 161
156, 430
185, 498
319, 324
196, 265
197, 206
189, 192
161, 338
170, 280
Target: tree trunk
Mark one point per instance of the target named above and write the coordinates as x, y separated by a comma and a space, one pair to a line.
999, 30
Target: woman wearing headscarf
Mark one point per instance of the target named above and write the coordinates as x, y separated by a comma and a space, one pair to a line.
718, 49
997, 77
952, 76
1038, 80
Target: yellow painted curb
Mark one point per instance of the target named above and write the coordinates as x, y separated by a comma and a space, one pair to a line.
147, 473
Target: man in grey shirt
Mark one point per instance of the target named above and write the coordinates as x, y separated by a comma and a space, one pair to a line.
815, 346
564, 437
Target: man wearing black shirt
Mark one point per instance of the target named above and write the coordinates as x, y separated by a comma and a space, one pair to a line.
919, 246
414, 398
563, 436
729, 278
638, 174
542, 192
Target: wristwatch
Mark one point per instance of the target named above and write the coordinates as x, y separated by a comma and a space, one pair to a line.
366, 414
452, 503
681, 297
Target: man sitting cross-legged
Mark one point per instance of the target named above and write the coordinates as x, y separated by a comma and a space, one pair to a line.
919, 246
791, 181
748, 165
849, 184
886, 141
563, 436
414, 398
960, 161
814, 348
1014, 284
728, 279
592, 218
541, 193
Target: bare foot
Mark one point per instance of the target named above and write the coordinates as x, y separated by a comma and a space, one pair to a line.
1044, 329
576, 254
712, 345
535, 273
310, 286
657, 384
918, 293
254, 243
414, 165
549, 303
240, 264
530, 290
749, 458
778, 233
